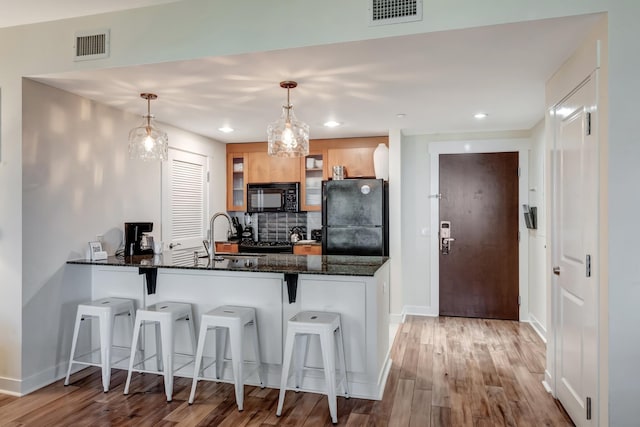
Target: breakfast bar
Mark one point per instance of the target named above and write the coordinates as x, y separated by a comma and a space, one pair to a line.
278, 286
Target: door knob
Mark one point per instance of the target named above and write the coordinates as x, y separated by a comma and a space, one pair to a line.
556, 271
173, 245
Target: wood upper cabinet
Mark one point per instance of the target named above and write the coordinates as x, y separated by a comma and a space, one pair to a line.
264, 168
358, 162
313, 172
236, 182
250, 163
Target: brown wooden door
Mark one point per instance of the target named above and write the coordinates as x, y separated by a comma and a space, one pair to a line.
479, 275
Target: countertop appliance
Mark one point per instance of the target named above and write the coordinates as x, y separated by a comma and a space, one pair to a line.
273, 197
266, 246
133, 237
247, 233
296, 234
355, 219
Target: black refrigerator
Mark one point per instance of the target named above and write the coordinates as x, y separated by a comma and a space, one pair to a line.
355, 219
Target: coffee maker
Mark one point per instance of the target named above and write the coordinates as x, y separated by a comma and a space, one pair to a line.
133, 235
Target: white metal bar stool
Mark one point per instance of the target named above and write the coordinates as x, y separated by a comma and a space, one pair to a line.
232, 321
164, 315
329, 329
105, 310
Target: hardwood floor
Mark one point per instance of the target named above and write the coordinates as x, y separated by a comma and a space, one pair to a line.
446, 372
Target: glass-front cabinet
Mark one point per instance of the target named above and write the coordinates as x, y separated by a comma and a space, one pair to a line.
236, 181
313, 168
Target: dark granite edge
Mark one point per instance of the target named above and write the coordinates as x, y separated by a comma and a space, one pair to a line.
270, 263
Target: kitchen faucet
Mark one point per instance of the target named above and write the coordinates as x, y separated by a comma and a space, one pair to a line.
212, 243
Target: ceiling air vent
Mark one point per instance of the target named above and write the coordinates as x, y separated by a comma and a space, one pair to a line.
383, 12
91, 45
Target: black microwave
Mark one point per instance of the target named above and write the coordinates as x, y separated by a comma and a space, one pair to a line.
273, 197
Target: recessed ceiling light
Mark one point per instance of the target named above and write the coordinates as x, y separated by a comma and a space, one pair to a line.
480, 115
401, 115
225, 129
332, 124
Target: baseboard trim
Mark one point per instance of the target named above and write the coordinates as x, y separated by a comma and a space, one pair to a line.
418, 310
10, 386
537, 326
396, 319
384, 374
30, 384
547, 383
46, 377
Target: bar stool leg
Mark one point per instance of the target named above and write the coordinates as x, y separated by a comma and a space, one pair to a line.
76, 331
221, 349
134, 347
301, 350
166, 331
286, 363
106, 336
198, 362
237, 363
192, 333
256, 348
342, 360
159, 346
328, 358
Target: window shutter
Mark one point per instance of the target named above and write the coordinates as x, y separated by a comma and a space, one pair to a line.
187, 200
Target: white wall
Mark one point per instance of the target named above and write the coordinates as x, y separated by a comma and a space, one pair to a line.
78, 182
204, 28
537, 237
416, 220
396, 271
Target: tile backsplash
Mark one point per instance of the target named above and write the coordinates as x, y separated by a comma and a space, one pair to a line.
314, 221
277, 226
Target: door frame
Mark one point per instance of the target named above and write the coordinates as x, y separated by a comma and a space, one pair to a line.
520, 144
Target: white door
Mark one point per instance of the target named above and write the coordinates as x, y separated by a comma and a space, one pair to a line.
184, 200
575, 213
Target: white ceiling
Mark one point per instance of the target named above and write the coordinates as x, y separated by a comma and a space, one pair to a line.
437, 80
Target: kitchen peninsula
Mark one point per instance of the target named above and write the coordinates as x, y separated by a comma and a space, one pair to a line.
278, 286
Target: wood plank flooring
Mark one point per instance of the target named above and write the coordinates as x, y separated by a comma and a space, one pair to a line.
446, 371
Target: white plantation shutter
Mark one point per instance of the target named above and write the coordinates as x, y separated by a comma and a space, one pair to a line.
187, 196
186, 201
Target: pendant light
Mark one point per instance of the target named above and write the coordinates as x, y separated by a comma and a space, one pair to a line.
287, 136
146, 141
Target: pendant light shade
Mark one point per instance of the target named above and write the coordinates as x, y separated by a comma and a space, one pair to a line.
146, 141
287, 136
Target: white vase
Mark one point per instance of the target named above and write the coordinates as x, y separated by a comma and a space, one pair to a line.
381, 162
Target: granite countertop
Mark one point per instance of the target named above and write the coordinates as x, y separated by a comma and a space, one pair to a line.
340, 265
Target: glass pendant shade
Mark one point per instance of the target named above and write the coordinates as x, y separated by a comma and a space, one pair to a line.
287, 136
147, 142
